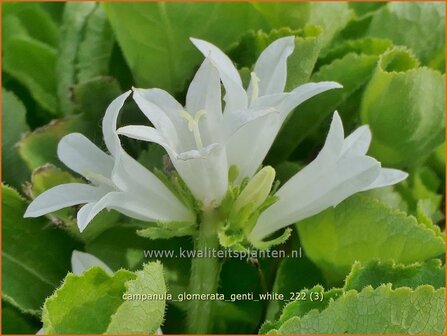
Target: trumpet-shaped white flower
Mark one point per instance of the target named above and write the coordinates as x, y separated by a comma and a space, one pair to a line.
192, 135
253, 117
117, 181
340, 170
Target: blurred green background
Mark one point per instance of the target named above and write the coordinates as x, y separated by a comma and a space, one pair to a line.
62, 64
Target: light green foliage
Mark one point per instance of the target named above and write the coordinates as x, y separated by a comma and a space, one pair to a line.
379, 311
75, 19
29, 50
376, 273
146, 315
402, 94
95, 50
161, 54
14, 126
364, 229
418, 25
40, 147
32, 63
34, 255
95, 293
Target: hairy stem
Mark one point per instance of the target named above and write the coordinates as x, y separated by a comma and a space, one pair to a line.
205, 274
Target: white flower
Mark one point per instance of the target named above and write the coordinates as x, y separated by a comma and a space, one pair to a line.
81, 261
340, 170
253, 117
192, 135
117, 181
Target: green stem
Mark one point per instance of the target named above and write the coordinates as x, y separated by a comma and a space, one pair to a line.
205, 274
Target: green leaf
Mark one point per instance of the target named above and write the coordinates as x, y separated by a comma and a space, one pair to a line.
293, 275
390, 99
303, 301
40, 147
360, 58
375, 311
34, 255
161, 55
15, 322
32, 63
113, 300
14, 124
418, 25
147, 316
364, 229
331, 17
376, 273
95, 50
37, 22
92, 97
94, 293
75, 19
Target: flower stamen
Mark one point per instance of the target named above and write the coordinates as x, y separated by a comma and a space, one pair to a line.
255, 85
193, 125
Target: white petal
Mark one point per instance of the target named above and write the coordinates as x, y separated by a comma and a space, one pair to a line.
140, 182
234, 120
81, 261
248, 146
163, 112
314, 189
201, 153
204, 94
387, 177
357, 143
62, 196
303, 93
151, 208
236, 97
334, 141
205, 173
271, 66
109, 121
144, 133
40, 332
83, 156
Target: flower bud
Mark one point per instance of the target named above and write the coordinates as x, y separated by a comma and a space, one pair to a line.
256, 191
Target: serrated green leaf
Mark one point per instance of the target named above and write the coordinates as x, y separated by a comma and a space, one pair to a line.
364, 229
375, 311
376, 273
34, 255
418, 108
418, 25
146, 315
95, 50
94, 293
16, 322
293, 275
32, 63
14, 124
303, 301
161, 55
